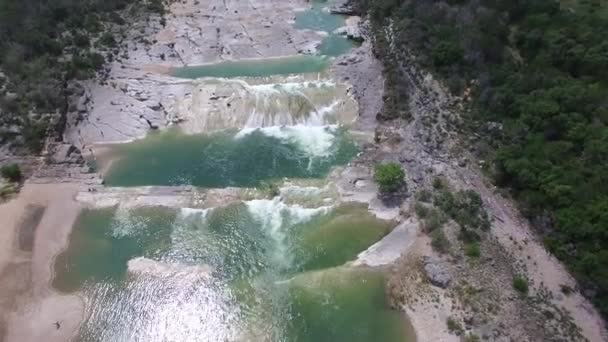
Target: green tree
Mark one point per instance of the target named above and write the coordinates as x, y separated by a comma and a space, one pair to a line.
390, 177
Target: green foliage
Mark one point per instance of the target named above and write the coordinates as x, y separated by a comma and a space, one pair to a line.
107, 39
466, 208
453, 326
520, 284
446, 53
439, 241
472, 250
438, 183
424, 195
539, 69
421, 210
390, 177
156, 6
43, 45
11, 172
470, 337
434, 220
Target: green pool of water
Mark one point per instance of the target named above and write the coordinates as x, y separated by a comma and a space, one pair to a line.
229, 159
250, 271
255, 68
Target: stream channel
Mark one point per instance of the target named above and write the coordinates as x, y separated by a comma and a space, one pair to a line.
271, 269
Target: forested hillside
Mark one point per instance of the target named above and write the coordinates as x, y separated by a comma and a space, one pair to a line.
44, 44
537, 72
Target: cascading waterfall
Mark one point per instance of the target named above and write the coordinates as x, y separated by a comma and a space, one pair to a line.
218, 104
315, 141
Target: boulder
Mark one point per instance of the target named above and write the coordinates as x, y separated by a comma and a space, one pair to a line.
437, 272
65, 154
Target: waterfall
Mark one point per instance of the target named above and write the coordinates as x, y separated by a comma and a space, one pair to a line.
218, 104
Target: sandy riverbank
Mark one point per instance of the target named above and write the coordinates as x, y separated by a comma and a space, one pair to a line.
29, 306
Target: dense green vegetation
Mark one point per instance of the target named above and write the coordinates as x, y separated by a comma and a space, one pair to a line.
390, 177
537, 72
43, 45
11, 172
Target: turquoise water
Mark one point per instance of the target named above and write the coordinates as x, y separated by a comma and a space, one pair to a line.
335, 45
316, 19
230, 159
250, 271
253, 68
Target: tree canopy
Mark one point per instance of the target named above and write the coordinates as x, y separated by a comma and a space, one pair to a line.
540, 69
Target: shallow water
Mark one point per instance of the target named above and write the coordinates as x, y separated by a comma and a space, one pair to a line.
243, 158
251, 271
318, 18
255, 68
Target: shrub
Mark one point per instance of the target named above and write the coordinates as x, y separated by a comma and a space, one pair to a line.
439, 242
81, 40
471, 338
389, 177
11, 172
472, 250
466, 208
438, 183
424, 195
454, 326
520, 284
421, 210
96, 60
435, 219
567, 290
107, 39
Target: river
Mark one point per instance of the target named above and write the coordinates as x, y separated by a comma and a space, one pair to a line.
275, 268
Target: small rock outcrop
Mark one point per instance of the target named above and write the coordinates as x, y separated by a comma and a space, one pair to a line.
437, 272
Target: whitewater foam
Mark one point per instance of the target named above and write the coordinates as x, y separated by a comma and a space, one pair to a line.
277, 218
315, 141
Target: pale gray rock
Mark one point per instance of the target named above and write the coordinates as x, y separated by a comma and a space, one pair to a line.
437, 272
